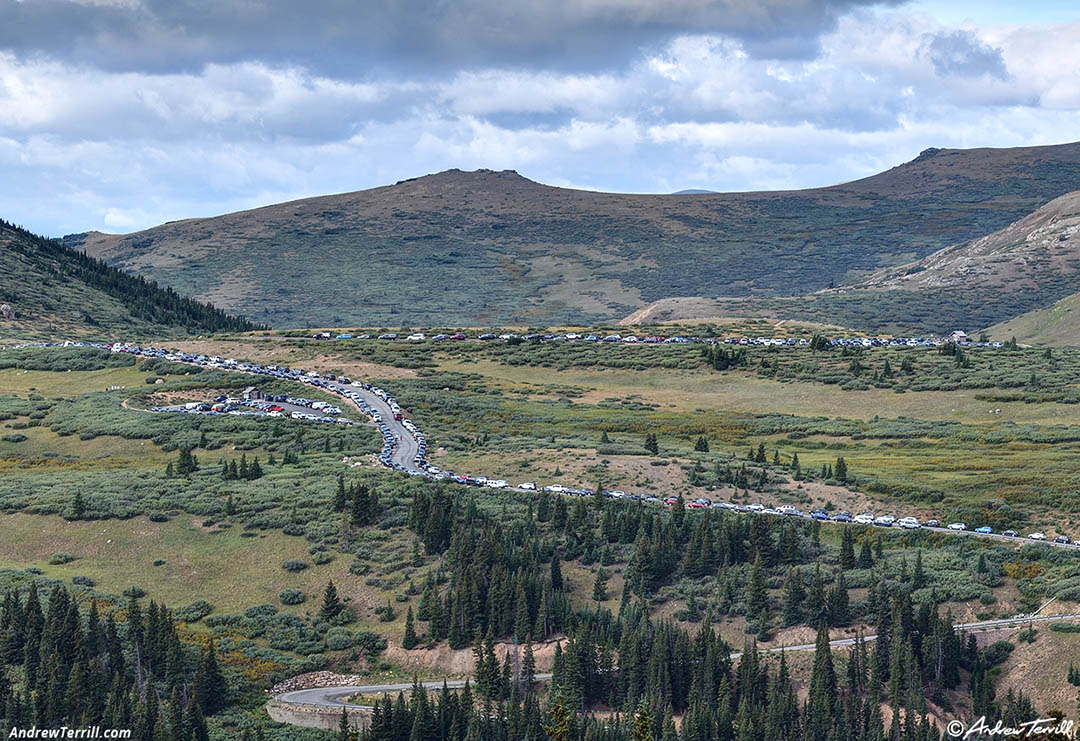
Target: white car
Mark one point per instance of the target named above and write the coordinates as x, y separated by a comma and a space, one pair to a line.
866, 518
908, 523
957, 526
757, 507
885, 520
1038, 536
416, 337
528, 486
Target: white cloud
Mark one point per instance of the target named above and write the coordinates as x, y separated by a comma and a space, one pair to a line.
86, 148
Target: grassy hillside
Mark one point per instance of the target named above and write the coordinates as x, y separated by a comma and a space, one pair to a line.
56, 292
1056, 325
1018, 269
493, 247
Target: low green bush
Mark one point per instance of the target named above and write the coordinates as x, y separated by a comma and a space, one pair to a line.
291, 596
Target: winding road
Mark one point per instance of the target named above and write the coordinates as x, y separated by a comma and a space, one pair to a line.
334, 697
403, 453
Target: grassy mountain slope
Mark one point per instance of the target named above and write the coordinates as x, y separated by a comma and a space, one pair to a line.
58, 292
494, 247
990, 280
1056, 325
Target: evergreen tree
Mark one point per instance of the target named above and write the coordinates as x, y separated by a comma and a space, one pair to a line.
409, 640
556, 572
78, 506
599, 592
847, 549
866, 561
331, 603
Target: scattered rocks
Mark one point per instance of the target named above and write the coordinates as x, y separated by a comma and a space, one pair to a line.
313, 680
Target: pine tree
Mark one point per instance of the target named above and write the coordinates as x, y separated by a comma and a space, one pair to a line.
78, 506
642, 724
866, 561
918, 576
210, 688
847, 549
556, 572
331, 603
409, 640
793, 597
340, 496
840, 472
599, 591
756, 597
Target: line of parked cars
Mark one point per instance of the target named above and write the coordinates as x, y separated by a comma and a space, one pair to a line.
633, 339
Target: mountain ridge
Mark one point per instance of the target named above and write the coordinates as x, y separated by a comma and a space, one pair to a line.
56, 292
494, 247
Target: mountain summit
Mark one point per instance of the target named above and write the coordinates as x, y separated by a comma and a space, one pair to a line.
489, 247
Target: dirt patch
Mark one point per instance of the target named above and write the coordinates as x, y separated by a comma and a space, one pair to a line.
460, 662
1040, 669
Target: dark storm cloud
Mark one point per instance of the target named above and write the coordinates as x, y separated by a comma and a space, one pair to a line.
963, 54
348, 38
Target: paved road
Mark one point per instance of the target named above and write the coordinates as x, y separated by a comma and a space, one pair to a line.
407, 447
334, 697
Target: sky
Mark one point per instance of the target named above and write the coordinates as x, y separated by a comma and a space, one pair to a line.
118, 115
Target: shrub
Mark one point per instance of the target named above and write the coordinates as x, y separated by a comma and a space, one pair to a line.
339, 639
371, 643
293, 528
59, 558
1065, 627
158, 517
294, 566
14, 437
359, 568
159, 562
322, 557
998, 652
291, 597
258, 611
194, 612
82, 581
136, 592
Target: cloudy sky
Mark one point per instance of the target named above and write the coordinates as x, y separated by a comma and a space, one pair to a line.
121, 114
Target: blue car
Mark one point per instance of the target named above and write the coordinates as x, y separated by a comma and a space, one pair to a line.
985, 530
819, 514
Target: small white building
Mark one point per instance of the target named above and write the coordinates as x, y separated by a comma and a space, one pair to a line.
958, 337
251, 393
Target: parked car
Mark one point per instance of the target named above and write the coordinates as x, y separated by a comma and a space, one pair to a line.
1010, 533
984, 530
866, 518
1063, 539
957, 526
931, 523
1038, 536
